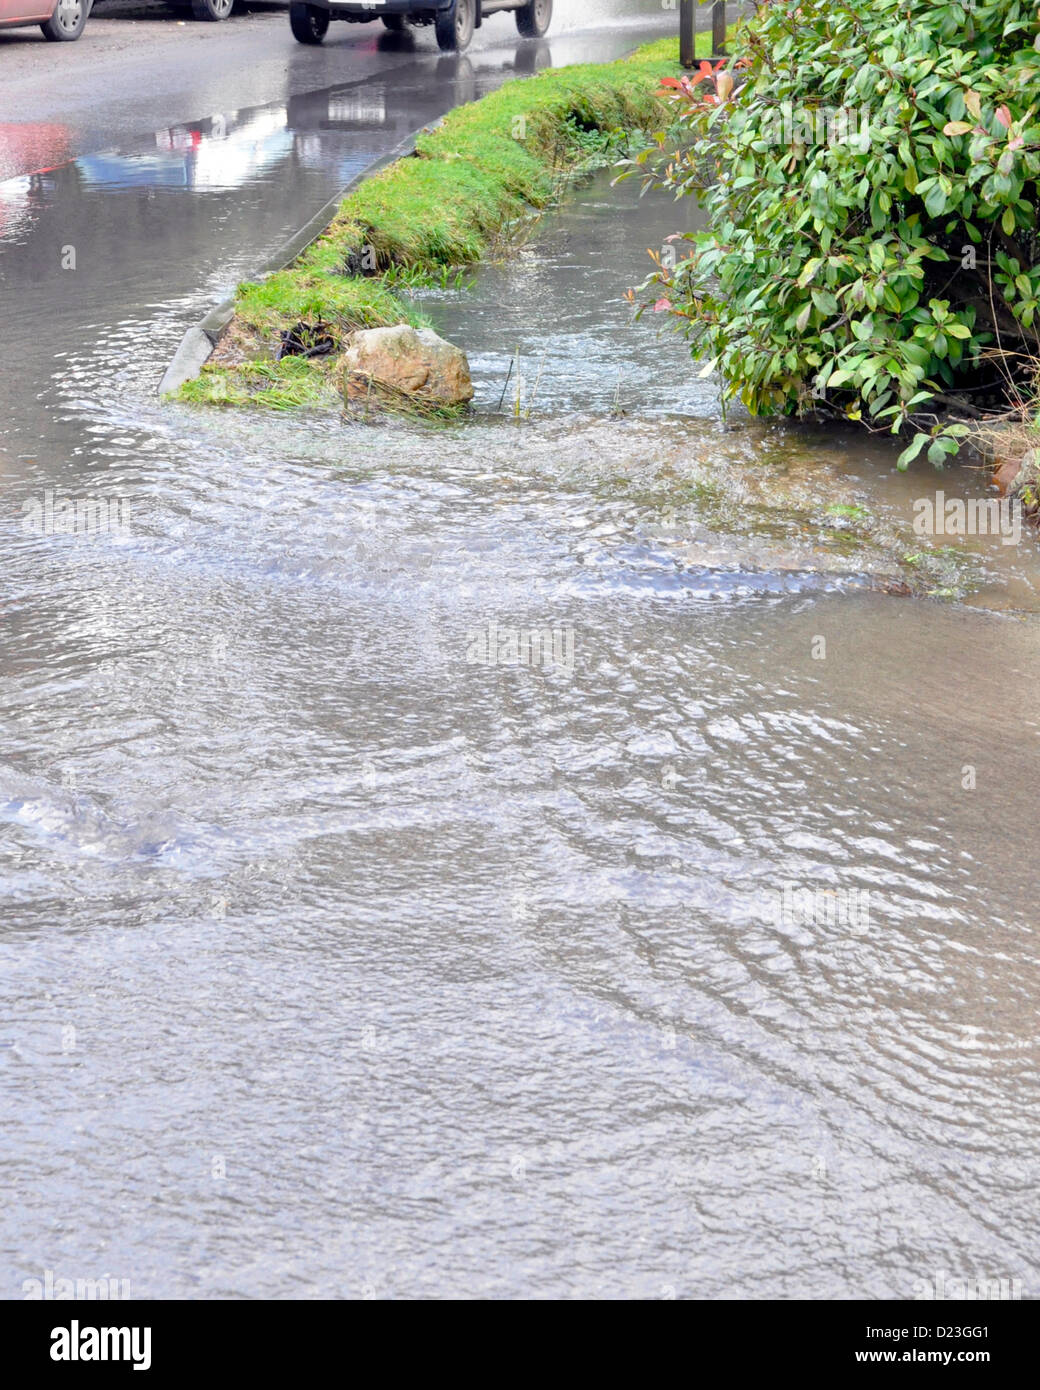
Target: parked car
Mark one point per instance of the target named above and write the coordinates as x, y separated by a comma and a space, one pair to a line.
61, 20
453, 20
212, 9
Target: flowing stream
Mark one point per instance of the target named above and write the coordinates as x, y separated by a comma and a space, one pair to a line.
342, 954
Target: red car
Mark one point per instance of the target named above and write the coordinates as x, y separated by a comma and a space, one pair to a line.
61, 20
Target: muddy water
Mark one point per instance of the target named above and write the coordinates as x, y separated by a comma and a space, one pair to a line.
336, 961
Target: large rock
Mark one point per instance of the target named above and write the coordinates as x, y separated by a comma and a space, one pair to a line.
417, 363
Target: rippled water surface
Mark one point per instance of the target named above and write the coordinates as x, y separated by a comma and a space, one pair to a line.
334, 962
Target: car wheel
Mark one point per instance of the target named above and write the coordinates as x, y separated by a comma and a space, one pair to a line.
211, 9
67, 21
394, 22
308, 23
533, 19
455, 25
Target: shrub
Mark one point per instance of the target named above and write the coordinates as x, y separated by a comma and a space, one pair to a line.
888, 274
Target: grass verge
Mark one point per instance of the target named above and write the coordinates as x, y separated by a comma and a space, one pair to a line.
473, 185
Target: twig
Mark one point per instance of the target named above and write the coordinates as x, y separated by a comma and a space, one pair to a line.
996, 328
505, 387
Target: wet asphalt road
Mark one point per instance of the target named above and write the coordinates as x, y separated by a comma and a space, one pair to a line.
141, 67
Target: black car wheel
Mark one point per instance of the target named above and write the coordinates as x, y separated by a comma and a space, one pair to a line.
394, 22
308, 23
455, 25
67, 21
533, 20
212, 10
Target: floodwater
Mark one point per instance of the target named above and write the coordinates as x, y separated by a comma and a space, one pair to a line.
343, 955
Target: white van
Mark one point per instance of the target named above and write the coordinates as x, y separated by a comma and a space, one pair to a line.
453, 20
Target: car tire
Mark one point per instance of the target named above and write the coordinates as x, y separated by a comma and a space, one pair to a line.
395, 23
534, 18
455, 25
308, 23
66, 23
212, 10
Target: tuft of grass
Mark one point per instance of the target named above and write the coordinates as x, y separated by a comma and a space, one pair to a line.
483, 174
294, 383
853, 513
381, 397
413, 277
302, 294
215, 386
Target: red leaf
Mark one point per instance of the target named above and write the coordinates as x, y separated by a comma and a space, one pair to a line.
661, 305
1004, 116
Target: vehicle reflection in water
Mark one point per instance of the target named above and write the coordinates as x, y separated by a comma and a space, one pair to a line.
31, 145
15, 205
234, 149
338, 130
224, 152
37, 145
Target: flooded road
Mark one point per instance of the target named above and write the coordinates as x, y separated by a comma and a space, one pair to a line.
343, 954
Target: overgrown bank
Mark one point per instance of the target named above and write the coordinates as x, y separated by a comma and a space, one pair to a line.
471, 186
872, 251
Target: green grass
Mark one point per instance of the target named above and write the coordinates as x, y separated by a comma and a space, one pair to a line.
291, 384
667, 50
474, 182
304, 293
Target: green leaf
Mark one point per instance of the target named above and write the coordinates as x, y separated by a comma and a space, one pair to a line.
910, 453
935, 201
808, 271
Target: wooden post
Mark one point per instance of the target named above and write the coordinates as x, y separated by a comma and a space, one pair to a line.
687, 56
718, 29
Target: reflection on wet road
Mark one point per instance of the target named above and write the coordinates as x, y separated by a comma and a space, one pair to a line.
335, 959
